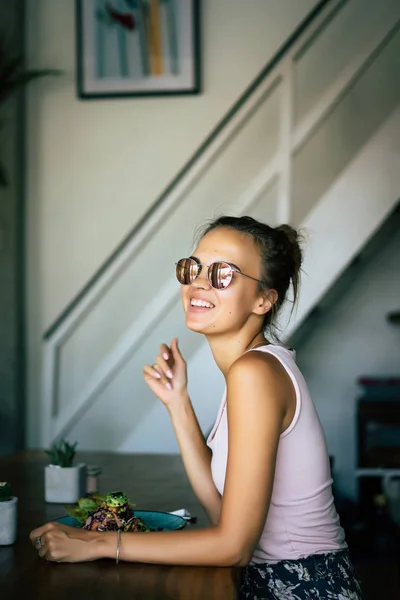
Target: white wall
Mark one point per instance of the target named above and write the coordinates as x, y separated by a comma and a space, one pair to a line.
80, 195
95, 167
365, 195
352, 338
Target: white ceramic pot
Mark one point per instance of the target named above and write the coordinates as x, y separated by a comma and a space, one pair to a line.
64, 485
8, 521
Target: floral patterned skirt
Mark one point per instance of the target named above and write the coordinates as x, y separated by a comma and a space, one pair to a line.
318, 577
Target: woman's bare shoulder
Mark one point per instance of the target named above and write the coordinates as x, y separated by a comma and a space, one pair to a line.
259, 370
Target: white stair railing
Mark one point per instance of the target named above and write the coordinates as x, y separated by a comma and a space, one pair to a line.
269, 129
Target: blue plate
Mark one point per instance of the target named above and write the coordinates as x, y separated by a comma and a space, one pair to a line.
154, 520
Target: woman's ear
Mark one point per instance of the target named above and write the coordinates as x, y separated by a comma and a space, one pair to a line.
265, 302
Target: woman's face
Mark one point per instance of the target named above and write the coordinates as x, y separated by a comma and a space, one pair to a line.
231, 307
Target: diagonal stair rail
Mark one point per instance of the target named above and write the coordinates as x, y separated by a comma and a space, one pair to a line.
292, 136
144, 226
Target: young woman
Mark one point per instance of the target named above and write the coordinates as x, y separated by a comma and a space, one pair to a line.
266, 456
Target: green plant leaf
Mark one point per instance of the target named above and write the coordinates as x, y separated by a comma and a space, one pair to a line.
14, 76
76, 512
5, 491
98, 498
62, 453
87, 504
13, 73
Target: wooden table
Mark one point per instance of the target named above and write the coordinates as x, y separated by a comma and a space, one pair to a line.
153, 482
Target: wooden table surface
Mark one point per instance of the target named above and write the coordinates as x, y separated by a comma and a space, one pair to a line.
153, 482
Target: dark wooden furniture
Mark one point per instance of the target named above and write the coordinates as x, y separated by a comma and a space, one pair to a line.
153, 482
378, 440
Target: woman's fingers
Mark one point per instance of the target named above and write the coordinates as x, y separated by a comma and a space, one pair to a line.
168, 372
40, 539
164, 379
165, 352
163, 365
40, 531
51, 543
43, 550
165, 360
176, 352
151, 371
154, 374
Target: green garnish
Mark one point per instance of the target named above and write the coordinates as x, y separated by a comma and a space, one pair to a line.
86, 505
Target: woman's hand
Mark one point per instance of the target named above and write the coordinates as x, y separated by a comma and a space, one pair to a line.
167, 377
60, 543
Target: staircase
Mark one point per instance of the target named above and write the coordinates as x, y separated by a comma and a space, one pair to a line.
320, 130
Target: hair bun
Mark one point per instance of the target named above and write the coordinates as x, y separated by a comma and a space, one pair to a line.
292, 239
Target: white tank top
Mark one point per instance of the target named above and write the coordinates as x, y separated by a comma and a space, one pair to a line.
302, 518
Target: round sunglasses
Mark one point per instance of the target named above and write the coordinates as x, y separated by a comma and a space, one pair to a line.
219, 274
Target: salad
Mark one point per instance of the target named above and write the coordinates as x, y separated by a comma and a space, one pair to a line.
111, 512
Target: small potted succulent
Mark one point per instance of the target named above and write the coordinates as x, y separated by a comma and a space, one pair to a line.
8, 514
64, 481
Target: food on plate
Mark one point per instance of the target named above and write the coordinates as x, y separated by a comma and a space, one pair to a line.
111, 512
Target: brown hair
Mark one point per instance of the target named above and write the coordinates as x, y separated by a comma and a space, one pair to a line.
281, 256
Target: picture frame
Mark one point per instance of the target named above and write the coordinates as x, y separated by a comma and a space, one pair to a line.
128, 48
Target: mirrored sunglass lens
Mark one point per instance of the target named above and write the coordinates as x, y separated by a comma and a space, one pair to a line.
186, 270
220, 275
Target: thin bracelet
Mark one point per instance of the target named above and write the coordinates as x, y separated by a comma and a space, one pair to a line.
118, 545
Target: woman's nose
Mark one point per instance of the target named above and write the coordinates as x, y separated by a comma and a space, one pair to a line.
201, 280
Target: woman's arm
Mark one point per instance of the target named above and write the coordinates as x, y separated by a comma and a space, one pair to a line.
257, 395
195, 453
196, 458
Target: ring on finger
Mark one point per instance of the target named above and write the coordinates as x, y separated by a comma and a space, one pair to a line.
38, 543
157, 374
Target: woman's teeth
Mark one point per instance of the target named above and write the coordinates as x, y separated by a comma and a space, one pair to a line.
203, 303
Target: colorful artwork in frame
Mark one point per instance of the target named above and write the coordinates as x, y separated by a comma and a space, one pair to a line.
137, 47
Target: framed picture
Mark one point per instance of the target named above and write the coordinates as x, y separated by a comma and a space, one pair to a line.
137, 48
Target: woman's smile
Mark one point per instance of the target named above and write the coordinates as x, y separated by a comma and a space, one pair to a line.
197, 304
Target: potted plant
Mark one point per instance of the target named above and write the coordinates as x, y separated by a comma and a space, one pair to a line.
8, 514
64, 481
13, 76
